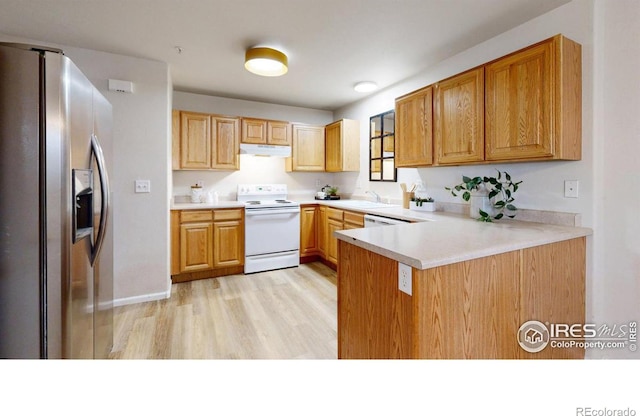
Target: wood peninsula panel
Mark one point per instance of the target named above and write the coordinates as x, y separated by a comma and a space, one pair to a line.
374, 318
469, 309
553, 274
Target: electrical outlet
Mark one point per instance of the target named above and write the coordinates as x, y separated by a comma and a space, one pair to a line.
571, 189
143, 186
404, 278
318, 184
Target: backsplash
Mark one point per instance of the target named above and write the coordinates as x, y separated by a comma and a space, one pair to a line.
253, 169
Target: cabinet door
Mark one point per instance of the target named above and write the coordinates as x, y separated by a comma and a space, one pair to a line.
333, 147
459, 118
279, 133
195, 140
520, 91
226, 145
254, 131
353, 220
322, 230
228, 247
196, 247
308, 148
308, 231
414, 129
175, 139
332, 242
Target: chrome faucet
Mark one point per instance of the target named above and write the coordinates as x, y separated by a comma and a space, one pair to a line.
374, 193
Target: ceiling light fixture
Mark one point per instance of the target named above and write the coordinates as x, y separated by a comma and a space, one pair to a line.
266, 62
365, 86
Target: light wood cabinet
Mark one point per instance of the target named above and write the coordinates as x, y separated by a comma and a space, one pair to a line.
195, 140
204, 141
414, 129
307, 149
342, 146
534, 100
353, 220
206, 243
225, 145
322, 230
332, 243
471, 309
309, 225
458, 113
258, 131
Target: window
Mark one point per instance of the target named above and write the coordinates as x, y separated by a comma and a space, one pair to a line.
382, 165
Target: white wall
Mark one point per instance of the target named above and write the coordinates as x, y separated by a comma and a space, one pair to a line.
253, 169
615, 296
141, 149
608, 201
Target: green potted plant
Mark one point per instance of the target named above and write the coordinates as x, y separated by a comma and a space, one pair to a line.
491, 197
422, 204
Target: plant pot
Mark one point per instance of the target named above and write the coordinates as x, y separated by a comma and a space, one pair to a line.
480, 201
426, 206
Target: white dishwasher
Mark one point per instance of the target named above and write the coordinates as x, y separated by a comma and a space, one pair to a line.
378, 221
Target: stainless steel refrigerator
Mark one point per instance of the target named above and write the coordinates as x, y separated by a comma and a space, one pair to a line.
56, 243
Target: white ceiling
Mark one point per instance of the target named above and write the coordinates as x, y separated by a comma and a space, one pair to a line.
331, 44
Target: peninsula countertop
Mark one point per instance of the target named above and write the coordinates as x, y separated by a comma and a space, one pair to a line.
443, 238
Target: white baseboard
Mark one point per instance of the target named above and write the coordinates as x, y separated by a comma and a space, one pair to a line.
142, 298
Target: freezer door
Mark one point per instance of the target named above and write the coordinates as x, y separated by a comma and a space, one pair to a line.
79, 304
103, 265
21, 272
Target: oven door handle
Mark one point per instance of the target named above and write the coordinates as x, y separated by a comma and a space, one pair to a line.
273, 211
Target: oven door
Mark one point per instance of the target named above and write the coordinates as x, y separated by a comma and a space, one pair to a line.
271, 230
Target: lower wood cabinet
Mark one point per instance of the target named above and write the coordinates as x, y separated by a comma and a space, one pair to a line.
317, 224
206, 243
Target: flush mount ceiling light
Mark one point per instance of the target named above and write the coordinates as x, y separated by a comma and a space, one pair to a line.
365, 86
266, 62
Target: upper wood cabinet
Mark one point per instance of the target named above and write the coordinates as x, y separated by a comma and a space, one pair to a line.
342, 146
195, 140
525, 106
458, 114
534, 100
414, 129
225, 145
257, 131
307, 149
204, 141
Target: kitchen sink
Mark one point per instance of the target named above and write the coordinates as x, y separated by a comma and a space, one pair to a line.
361, 203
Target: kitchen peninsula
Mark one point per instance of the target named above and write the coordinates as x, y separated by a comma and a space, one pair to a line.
471, 284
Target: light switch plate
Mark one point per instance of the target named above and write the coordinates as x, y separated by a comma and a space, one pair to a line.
143, 186
404, 278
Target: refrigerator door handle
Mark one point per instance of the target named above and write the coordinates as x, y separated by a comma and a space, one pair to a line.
105, 192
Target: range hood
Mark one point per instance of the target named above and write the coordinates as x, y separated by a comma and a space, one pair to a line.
265, 150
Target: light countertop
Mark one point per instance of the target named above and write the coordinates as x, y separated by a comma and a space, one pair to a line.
451, 238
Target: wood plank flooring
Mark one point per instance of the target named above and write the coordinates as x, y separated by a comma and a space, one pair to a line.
280, 314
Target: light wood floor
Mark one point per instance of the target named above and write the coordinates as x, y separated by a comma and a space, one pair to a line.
279, 314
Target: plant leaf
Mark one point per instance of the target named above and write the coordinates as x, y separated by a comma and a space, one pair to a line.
482, 213
512, 207
493, 193
466, 179
500, 215
506, 175
499, 204
466, 195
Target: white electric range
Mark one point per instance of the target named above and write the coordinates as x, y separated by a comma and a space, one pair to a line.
271, 229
